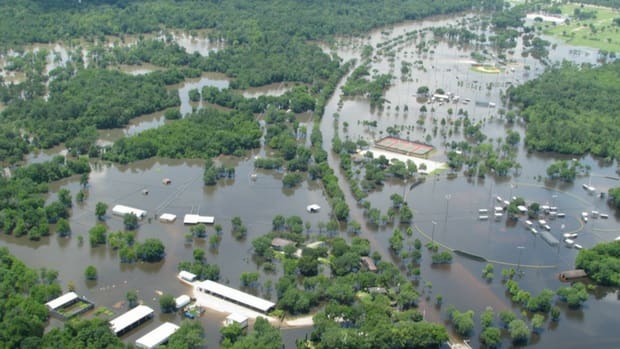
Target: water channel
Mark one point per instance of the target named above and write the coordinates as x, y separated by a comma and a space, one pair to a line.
444, 208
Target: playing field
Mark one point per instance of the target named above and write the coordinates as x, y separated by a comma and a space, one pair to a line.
599, 32
404, 146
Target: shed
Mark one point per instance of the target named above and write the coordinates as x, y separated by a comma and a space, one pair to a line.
572, 274
121, 210
368, 263
280, 244
313, 208
182, 301
236, 318
198, 219
167, 218
522, 209
187, 276
158, 336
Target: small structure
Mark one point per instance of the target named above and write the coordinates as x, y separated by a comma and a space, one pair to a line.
198, 219
158, 336
235, 296
604, 215
313, 208
368, 263
166, 181
235, 318
187, 276
182, 301
131, 319
403, 146
167, 218
279, 243
377, 290
571, 275
121, 210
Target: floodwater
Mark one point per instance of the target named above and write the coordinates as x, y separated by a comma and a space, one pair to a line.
445, 209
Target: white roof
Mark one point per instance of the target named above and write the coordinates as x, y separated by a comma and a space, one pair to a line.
196, 219
236, 317
129, 318
236, 295
182, 301
122, 210
186, 275
167, 217
62, 300
157, 336
313, 207
522, 208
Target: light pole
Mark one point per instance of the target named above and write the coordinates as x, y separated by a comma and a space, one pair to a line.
520, 248
433, 233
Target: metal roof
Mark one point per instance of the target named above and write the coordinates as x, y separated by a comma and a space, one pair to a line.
122, 210
186, 275
167, 217
235, 295
157, 336
195, 219
62, 300
129, 318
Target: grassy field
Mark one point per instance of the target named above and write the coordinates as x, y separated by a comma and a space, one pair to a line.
599, 32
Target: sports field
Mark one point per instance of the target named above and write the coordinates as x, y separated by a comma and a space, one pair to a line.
404, 146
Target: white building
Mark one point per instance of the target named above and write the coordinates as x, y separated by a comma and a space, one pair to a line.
235, 296
233, 318
131, 319
198, 219
158, 336
121, 210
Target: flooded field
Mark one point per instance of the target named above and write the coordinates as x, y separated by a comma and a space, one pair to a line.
445, 210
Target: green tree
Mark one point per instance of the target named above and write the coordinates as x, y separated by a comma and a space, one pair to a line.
491, 337
151, 250
230, 334
64, 196
100, 210
98, 235
167, 303
573, 295
486, 318
63, 228
538, 321
132, 299
91, 273
190, 335
199, 255
519, 332
130, 221
249, 279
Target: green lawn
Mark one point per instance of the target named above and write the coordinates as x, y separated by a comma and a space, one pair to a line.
599, 32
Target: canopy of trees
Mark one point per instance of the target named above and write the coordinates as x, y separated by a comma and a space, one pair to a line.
572, 109
602, 263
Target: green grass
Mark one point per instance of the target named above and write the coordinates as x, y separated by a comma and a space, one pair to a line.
605, 36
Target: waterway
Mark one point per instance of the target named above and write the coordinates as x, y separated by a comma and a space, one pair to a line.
444, 209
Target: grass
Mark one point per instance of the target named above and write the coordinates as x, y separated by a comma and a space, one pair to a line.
599, 32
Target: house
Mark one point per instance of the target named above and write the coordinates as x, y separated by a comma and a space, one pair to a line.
235, 318
279, 243
368, 263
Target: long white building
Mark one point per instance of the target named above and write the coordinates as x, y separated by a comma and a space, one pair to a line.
158, 336
235, 296
131, 319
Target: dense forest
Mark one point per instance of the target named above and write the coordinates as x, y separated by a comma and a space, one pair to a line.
602, 263
572, 109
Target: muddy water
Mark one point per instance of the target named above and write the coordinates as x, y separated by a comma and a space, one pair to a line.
446, 210
451, 204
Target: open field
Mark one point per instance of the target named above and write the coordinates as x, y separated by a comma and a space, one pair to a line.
599, 32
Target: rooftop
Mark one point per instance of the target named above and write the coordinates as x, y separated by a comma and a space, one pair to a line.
157, 336
235, 295
62, 300
129, 318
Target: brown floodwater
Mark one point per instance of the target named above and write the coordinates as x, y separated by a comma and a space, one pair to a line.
445, 209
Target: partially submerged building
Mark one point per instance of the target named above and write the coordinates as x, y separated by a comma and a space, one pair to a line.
235, 296
235, 318
157, 337
121, 210
198, 219
279, 243
131, 319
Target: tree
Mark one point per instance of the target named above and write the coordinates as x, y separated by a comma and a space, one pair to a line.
249, 279
263, 336
506, 316
199, 230
100, 210
519, 332
308, 266
64, 196
341, 210
486, 318
199, 255
63, 228
573, 295
190, 335
132, 299
167, 304
491, 337
97, 235
90, 273
130, 221
463, 322
406, 215
538, 321
151, 250
230, 334
614, 196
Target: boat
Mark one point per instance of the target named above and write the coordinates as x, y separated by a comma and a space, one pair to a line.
570, 235
569, 242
